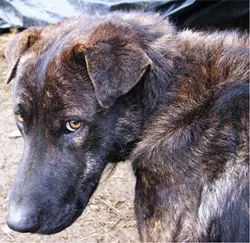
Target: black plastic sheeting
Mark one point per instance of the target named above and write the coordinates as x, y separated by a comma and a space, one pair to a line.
184, 13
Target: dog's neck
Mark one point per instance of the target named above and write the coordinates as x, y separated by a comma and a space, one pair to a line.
157, 85
140, 106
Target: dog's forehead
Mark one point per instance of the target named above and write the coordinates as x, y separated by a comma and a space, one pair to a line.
67, 88
52, 85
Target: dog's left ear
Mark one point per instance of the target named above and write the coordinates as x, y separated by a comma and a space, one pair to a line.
114, 67
17, 46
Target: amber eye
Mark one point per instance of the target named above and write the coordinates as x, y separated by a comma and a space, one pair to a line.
73, 125
19, 118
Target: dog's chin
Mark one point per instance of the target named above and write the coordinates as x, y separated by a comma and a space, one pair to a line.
49, 228
57, 222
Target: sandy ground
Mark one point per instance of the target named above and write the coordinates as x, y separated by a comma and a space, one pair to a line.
109, 216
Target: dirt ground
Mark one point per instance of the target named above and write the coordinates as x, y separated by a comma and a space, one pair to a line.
109, 216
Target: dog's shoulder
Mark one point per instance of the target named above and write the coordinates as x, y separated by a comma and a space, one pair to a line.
208, 88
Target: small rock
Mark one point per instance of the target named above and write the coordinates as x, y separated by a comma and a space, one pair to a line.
15, 134
94, 207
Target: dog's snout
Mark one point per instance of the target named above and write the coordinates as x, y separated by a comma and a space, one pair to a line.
22, 219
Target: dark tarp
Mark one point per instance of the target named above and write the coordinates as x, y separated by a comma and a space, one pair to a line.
185, 13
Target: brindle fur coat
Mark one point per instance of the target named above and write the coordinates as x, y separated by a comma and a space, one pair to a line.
174, 102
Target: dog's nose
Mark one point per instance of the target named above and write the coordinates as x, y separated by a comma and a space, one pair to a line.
22, 219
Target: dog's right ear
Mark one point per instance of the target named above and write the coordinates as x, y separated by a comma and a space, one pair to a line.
17, 46
114, 66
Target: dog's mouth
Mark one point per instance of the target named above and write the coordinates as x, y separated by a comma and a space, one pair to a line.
61, 224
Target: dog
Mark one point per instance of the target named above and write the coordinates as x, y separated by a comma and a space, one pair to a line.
97, 89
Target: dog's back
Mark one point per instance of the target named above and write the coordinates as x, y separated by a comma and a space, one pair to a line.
192, 165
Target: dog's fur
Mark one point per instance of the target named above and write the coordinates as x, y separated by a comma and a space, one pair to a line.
176, 102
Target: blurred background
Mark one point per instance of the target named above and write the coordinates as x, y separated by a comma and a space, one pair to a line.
199, 14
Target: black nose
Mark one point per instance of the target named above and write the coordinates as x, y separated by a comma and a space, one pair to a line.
22, 219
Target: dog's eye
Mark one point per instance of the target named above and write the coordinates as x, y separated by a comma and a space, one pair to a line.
19, 118
73, 125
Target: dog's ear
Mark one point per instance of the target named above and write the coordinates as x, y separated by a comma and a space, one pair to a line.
17, 46
114, 67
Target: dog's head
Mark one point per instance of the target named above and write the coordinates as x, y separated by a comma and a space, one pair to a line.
75, 107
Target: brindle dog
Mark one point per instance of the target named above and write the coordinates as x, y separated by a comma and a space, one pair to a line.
93, 90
